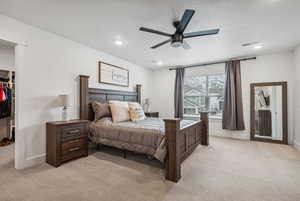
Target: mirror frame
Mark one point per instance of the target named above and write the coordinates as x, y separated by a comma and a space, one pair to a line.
284, 112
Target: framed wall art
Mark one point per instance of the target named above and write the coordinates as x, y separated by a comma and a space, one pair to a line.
111, 74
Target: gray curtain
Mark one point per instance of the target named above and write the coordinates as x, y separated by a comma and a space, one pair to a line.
233, 117
178, 94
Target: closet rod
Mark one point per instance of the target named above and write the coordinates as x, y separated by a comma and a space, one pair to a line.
215, 62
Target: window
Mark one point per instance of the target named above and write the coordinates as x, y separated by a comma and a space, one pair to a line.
204, 93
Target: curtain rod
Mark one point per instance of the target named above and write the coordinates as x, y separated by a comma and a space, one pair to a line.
215, 62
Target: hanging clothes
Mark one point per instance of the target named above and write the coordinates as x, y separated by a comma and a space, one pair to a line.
5, 102
2, 93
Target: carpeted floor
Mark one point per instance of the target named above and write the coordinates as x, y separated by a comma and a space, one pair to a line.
227, 170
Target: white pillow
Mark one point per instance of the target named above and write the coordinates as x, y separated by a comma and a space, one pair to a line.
134, 105
136, 112
119, 111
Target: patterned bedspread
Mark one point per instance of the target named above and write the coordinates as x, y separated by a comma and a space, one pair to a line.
146, 136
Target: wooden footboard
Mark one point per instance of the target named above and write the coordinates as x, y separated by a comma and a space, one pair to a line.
181, 142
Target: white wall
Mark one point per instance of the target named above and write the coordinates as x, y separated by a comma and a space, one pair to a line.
7, 57
297, 98
266, 68
49, 65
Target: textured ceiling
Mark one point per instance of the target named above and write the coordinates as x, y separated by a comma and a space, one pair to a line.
98, 23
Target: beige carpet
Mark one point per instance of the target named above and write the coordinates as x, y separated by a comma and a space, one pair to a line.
228, 170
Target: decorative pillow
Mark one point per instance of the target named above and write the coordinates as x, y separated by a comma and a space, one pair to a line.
100, 110
119, 111
134, 105
137, 114
136, 111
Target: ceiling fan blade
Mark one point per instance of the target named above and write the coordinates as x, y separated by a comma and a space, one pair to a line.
155, 31
185, 45
201, 33
187, 16
160, 44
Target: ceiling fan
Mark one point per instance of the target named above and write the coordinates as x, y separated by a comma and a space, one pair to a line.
177, 39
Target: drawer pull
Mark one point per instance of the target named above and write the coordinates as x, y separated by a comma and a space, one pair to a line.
74, 131
74, 149
74, 141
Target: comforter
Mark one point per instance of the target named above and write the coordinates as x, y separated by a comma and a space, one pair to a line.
146, 136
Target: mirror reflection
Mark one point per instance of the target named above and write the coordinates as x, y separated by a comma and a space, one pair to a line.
268, 112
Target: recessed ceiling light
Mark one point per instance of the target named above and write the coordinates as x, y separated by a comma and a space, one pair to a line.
159, 63
258, 46
118, 42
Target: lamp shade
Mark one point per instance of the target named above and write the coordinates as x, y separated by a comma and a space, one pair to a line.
64, 100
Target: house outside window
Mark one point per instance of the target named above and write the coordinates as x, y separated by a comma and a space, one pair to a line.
204, 93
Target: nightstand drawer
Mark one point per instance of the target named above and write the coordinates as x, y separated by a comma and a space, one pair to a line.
73, 132
73, 145
73, 148
73, 154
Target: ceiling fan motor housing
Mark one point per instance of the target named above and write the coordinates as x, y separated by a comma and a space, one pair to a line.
176, 23
177, 40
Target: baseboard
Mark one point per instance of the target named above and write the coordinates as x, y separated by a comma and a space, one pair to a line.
36, 158
297, 145
239, 137
32, 161
215, 129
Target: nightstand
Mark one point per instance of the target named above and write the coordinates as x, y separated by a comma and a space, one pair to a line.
66, 140
152, 114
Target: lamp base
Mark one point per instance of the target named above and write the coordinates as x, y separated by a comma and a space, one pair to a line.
147, 107
64, 114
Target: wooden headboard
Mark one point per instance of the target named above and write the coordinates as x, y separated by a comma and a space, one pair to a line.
103, 96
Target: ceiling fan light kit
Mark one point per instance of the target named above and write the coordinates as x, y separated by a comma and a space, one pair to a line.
177, 39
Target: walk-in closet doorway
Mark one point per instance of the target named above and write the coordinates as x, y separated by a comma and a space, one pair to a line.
7, 103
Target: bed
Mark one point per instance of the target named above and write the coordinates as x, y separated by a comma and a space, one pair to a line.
170, 141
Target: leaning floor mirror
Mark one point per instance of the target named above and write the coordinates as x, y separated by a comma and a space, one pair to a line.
269, 112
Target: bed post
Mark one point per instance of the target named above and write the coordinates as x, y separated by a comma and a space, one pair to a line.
139, 94
173, 160
84, 90
205, 128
